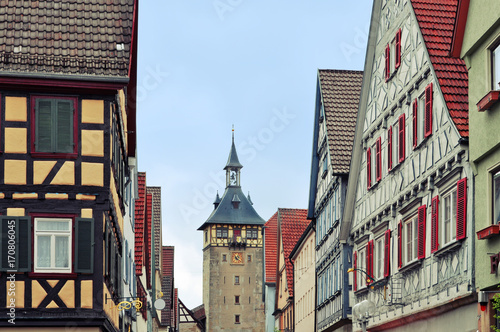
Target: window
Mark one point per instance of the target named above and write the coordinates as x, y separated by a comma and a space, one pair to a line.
368, 168
252, 234
378, 159
53, 245
55, 123
361, 266
495, 68
236, 280
237, 319
378, 272
221, 232
393, 56
396, 143
410, 239
496, 198
422, 116
236, 299
401, 138
224, 257
448, 217
206, 235
56, 247
374, 163
249, 258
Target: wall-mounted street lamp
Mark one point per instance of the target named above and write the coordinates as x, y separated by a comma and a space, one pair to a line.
369, 279
125, 305
362, 311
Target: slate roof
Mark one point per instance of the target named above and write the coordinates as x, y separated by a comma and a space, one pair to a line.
270, 245
436, 19
226, 213
340, 91
293, 222
232, 160
140, 204
78, 37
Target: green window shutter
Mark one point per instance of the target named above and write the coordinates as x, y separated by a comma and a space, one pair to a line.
20, 253
64, 132
43, 139
23, 244
84, 245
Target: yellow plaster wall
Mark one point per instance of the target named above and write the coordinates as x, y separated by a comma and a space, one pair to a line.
109, 308
37, 294
116, 202
87, 294
67, 293
15, 172
122, 98
82, 197
15, 109
92, 174
66, 175
2, 195
24, 195
15, 140
42, 168
92, 111
16, 293
15, 212
93, 143
86, 213
56, 196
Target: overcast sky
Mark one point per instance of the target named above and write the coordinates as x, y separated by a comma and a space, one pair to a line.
206, 65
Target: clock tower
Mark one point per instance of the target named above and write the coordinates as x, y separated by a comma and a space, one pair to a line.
233, 258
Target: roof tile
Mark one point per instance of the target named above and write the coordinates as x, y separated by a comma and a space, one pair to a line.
270, 245
340, 90
293, 223
436, 19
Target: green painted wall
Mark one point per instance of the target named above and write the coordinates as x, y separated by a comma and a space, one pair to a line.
482, 30
483, 16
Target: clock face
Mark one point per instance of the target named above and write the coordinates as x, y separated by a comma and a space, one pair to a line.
237, 258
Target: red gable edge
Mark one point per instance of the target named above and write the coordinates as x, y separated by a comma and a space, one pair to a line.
270, 238
139, 223
293, 223
436, 19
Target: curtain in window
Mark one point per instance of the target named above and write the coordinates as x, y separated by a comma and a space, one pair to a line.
62, 253
43, 251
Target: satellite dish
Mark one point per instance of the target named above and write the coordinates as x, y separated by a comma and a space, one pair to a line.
159, 304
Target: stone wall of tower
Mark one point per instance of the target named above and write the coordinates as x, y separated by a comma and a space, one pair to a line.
221, 289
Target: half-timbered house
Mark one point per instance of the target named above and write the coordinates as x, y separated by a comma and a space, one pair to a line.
67, 134
291, 225
337, 99
411, 208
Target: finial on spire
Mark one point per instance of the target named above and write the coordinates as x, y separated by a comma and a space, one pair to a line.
233, 132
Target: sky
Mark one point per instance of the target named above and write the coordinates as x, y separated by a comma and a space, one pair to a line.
206, 65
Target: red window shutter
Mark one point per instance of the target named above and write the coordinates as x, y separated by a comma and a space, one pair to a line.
435, 224
415, 123
428, 110
369, 261
379, 159
368, 168
387, 62
398, 49
421, 231
387, 253
401, 140
461, 208
355, 264
389, 148
400, 244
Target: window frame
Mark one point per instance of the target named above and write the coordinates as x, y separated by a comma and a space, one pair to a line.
413, 257
494, 210
452, 223
361, 265
53, 234
70, 155
379, 257
494, 53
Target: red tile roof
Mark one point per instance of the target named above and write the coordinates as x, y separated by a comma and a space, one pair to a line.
270, 245
149, 221
436, 19
156, 192
139, 222
167, 283
293, 223
340, 90
80, 37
